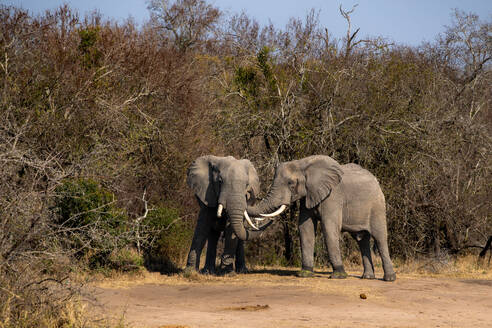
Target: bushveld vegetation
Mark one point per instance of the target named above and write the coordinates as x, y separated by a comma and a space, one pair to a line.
100, 119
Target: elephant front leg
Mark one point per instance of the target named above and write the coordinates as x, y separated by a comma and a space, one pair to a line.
307, 233
213, 238
230, 245
199, 238
331, 228
240, 258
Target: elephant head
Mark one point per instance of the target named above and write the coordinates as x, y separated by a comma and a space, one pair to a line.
227, 184
312, 177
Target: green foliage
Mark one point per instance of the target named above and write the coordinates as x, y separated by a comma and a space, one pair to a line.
171, 240
125, 259
88, 213
91, 55
263, 58
246, 81
82, 202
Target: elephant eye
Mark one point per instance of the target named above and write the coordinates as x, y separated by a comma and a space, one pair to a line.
248, 192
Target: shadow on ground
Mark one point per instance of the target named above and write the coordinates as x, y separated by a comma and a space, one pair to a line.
293, 273
478, 282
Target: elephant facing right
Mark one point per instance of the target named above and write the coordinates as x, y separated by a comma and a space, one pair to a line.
340, 197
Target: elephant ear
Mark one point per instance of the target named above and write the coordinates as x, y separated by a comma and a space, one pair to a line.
321, 177
200, 178
253, 180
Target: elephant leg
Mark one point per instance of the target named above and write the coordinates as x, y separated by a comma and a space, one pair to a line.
202, 231
380, 234
364, 241
240, 258
213, 238
331, 227
230, 245
307, 233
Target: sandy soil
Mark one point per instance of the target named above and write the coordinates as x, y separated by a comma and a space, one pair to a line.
276, 298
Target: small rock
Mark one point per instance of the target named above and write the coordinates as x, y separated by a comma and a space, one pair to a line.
363, 296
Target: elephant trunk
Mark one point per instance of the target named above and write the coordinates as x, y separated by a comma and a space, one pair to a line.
268, 205
236, 217
236, 207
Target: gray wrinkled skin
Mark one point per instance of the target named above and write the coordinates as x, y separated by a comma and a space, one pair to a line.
234, 184
340, 197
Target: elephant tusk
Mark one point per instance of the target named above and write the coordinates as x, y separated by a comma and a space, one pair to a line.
219, 210
277, 212
246, 216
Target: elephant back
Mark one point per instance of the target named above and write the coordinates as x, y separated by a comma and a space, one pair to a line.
354, 174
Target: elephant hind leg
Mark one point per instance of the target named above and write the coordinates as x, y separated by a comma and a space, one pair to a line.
364, 241
380, 235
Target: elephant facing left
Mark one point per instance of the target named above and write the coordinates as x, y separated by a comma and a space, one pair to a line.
223, 186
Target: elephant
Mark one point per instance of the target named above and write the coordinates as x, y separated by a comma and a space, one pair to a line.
343, 198
223, 187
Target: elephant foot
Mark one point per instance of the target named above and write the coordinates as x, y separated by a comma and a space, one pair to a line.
207, 270
226, 269
389, 276
368, 276
242, 270
339, 273
305, 273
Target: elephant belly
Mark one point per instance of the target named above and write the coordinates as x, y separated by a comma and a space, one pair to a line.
361, 197
356, 214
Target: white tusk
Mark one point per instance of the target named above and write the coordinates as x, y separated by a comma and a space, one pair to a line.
246, 216
219, 210
277, 212
259, 219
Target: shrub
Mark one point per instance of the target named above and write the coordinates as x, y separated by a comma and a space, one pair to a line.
94, 225
171, 241
125, 259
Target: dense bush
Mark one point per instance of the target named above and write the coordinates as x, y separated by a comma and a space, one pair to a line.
95, 227
170, 241
83, 202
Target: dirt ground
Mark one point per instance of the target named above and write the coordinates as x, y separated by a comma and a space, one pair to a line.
276, 298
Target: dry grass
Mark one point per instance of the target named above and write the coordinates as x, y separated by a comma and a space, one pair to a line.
78, 314
465, 267
73, 313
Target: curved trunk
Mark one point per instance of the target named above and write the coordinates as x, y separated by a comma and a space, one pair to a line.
268, 205
236, 206
236, 217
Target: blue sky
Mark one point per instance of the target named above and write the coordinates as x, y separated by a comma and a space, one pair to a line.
404, 21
